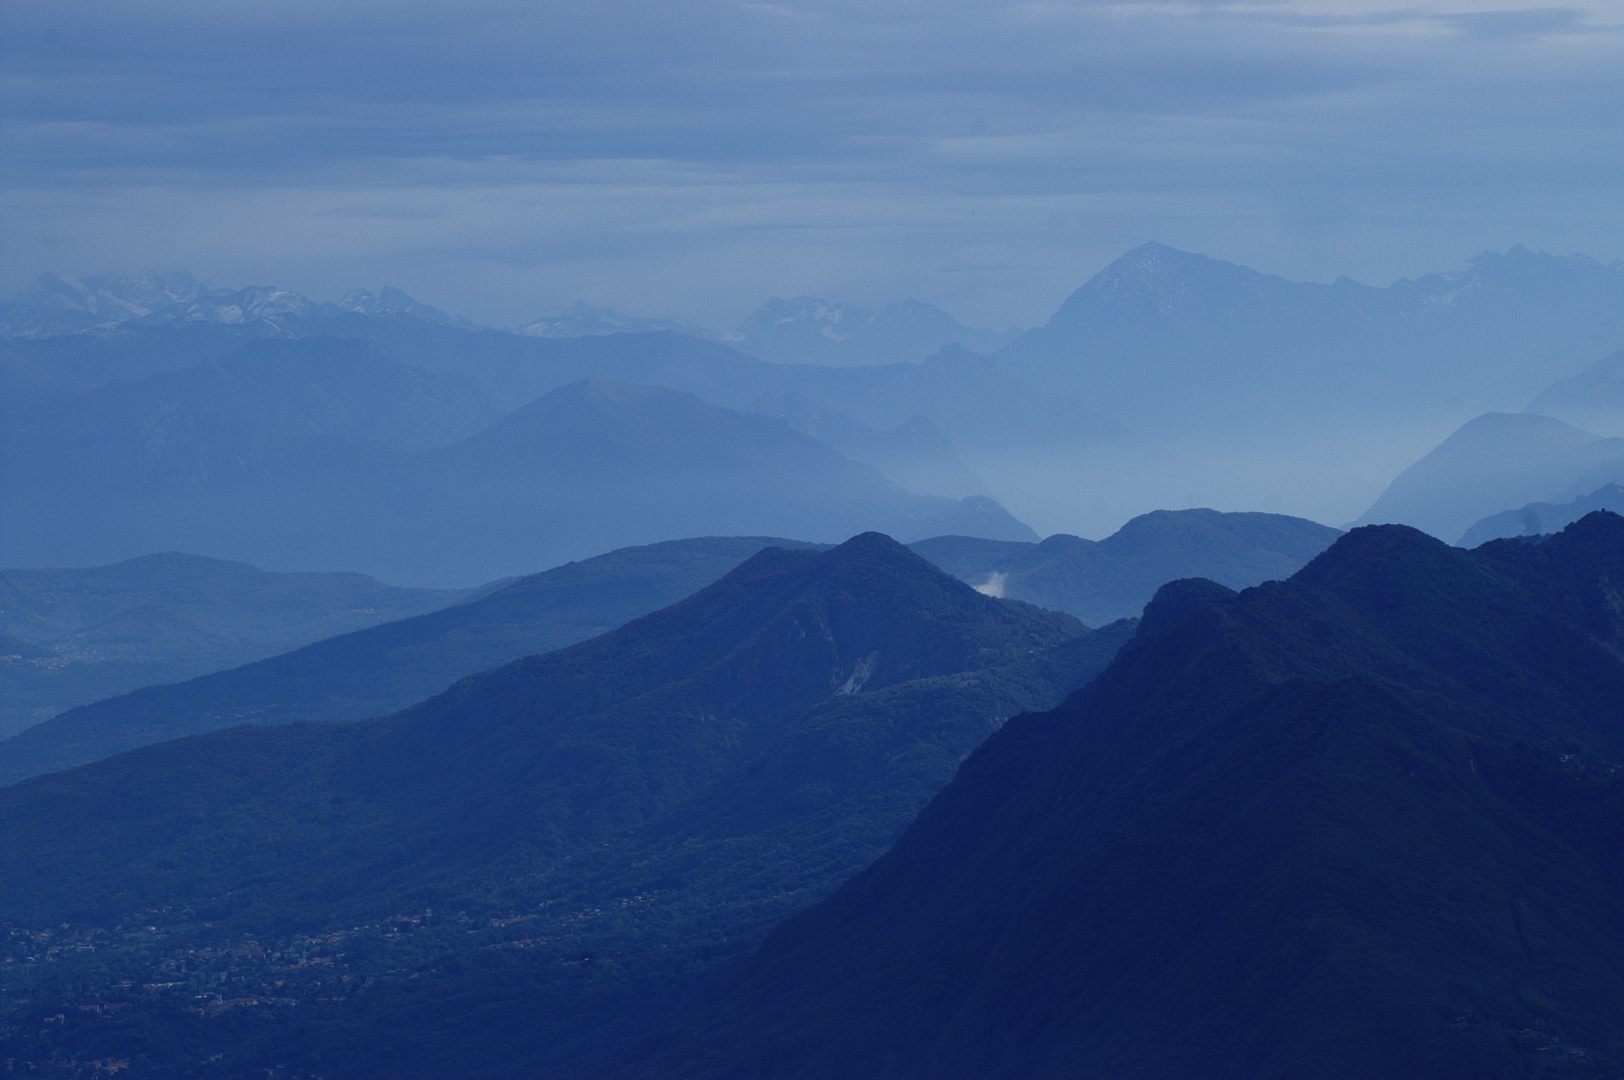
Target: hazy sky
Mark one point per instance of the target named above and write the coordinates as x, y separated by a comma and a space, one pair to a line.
501, 159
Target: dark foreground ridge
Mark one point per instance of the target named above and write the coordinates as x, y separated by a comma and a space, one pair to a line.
524, 857
1365, 822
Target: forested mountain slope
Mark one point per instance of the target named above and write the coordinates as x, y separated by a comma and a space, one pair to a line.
1368, 821
696, 774
386, 668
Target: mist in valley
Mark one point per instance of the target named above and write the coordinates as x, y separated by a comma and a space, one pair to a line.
811, 540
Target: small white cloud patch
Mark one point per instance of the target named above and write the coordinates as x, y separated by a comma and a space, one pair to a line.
994, 585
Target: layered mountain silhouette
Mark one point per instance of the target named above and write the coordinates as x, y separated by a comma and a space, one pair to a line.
392, 666
597, 464
1538, 519
580, 742
723, 761
81, 635
85, 361
1171, 339
320, 453
1362, 822
1100, 581
1238, 388
1495, 461
210, 457
1592, 399
915, 454
373, 671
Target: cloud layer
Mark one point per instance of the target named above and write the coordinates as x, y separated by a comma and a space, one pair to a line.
501, 159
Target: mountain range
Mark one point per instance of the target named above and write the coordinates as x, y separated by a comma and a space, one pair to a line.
1170, 339
384, 668
694, 775
323, 452
802, 330
1362, 822
54, 305
1169, 379
388, 667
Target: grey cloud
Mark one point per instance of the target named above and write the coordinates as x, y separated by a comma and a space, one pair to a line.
893, 138
1521, 23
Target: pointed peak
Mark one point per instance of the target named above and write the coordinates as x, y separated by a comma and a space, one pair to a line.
1154, 258
1157, 278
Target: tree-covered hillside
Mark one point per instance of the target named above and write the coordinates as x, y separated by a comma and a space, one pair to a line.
386, 668
650, 801
1365, 822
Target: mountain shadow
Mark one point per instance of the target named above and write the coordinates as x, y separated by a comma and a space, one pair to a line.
1367, 821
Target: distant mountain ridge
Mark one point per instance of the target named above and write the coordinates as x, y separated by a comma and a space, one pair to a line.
581, 319
1101, 581
1495, 332
802, 330
1540, 519
324, 452
1496, 460
1168, 379
84, 634
55, 305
